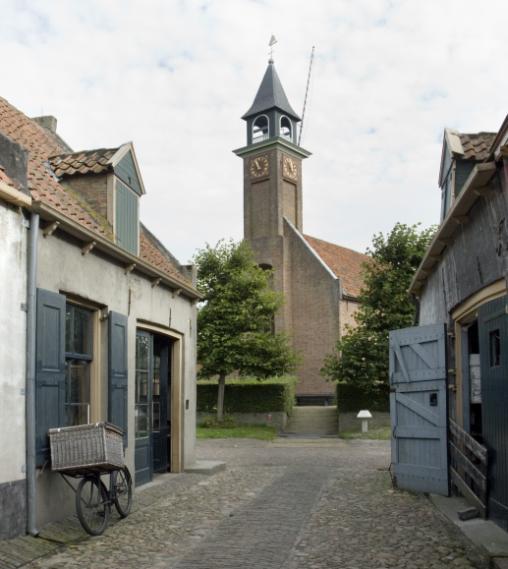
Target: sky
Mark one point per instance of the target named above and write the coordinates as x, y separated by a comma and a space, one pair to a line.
175, 77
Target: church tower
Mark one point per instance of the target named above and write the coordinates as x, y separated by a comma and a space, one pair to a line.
272, 173
320, 281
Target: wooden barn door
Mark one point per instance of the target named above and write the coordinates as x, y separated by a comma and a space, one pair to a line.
493, 331
418, 408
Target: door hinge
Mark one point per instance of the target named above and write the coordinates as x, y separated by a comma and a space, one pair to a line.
24, 307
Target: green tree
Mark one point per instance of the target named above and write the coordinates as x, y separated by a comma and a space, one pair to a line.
235, 322
361, 355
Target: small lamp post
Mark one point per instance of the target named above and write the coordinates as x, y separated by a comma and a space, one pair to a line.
364, 415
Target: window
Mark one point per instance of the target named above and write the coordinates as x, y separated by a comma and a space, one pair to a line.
260, 129
495, 348
285, 128
143, 363
78, 361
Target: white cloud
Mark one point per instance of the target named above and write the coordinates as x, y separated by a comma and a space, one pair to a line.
175, 76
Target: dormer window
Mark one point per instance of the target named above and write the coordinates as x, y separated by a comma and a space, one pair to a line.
285, 128
260, 129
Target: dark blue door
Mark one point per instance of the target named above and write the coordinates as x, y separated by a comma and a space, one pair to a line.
160, 404
493, 331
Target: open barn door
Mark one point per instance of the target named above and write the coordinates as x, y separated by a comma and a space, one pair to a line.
418, 408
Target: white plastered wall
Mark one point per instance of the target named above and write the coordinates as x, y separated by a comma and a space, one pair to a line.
63, 268
13, 239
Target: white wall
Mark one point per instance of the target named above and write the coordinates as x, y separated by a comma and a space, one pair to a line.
13, 238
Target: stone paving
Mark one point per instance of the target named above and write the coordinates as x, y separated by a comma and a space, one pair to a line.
291, 504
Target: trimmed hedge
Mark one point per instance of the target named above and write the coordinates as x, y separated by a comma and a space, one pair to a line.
351, 399
249, 395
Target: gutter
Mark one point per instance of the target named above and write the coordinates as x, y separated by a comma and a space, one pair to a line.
31, 492
103, 244
474, 187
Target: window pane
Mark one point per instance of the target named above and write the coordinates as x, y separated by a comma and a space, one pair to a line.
78, 328
142, 351
141, 386
82, 331
156, 417
77, 392
141, 421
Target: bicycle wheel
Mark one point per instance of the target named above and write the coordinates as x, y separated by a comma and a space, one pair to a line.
92, 505
122, 483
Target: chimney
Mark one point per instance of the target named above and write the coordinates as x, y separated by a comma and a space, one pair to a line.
14, 161
48, 122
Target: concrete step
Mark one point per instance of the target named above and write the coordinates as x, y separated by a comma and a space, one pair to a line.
313, 420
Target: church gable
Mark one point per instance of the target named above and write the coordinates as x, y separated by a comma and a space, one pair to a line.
345, 263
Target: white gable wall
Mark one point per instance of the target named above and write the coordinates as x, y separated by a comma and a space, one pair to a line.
13, 239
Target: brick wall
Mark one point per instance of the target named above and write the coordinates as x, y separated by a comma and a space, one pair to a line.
94, 188
314, 304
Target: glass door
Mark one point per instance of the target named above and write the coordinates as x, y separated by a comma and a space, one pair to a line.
143, 407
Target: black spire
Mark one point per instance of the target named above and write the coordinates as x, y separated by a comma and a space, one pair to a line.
271, 95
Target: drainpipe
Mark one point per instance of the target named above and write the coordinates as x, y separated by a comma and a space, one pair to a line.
30, 376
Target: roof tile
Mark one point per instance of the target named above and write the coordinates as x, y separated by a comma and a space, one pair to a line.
344, 263
96, 161
477, 146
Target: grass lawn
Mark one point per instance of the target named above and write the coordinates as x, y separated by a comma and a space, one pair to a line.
381, 434
241, 432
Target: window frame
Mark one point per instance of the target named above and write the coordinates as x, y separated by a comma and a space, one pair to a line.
96, 411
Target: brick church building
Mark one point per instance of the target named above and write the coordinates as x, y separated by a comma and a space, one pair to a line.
320, 281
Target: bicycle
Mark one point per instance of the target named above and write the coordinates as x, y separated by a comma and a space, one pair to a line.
94, 499
89, 452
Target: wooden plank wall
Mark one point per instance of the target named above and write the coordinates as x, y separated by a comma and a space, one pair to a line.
472, 261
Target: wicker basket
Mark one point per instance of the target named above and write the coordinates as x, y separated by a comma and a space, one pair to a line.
98, 446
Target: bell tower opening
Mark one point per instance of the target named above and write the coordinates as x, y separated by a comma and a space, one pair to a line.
260, 129
286, 130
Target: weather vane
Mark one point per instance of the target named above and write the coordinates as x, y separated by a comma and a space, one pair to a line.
271, 43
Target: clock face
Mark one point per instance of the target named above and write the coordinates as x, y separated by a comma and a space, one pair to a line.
259, 166
289, 168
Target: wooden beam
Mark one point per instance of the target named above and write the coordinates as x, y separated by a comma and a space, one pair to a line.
461, 219
50, 229
130, 268
468, 494
177, 292
88, 247
156, 282
481, 191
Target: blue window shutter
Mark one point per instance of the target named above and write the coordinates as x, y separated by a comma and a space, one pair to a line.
50, 368
126, 218
117, 385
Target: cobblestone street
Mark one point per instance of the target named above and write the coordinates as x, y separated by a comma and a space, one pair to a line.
291, 504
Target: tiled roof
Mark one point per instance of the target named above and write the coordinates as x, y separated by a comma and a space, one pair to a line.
153, 252
344, 263
42, 182
84, 162
45, 187
477, 146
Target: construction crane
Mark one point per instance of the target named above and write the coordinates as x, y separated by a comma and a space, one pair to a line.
306, 93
